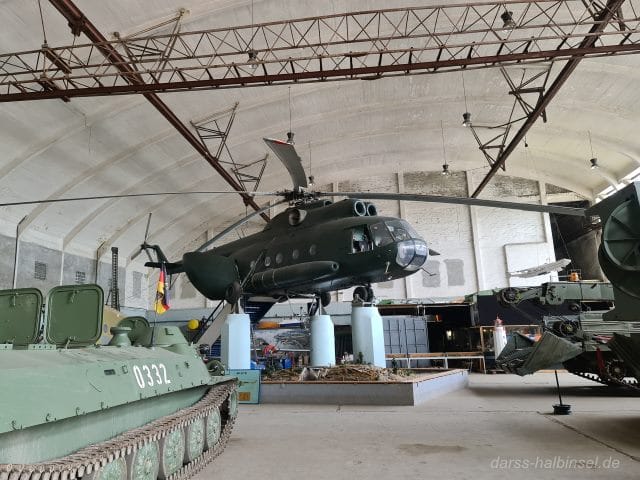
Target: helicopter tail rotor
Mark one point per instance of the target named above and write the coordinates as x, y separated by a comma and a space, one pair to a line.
144, 246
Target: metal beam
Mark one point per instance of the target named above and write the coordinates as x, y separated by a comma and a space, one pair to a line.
80, 24
362, 45
602, 19
355, 73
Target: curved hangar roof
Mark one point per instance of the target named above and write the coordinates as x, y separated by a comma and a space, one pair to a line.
106, 145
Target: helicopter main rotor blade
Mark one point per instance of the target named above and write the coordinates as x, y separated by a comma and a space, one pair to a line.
287, 154
237, 224
476, 202
132, 195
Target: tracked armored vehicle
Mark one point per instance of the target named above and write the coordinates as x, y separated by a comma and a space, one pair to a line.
143, 407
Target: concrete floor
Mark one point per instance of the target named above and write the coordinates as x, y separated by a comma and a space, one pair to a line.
490, 430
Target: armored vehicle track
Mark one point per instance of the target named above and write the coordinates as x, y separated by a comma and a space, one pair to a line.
172, 447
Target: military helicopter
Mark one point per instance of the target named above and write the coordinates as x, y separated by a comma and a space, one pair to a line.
315, 246
312, 248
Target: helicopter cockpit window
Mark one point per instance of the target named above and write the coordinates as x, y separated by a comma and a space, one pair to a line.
401, 230
380, 234
360, 241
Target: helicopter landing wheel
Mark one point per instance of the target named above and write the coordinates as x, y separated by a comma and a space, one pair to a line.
370, 294
360, 294
232, 295
325, 298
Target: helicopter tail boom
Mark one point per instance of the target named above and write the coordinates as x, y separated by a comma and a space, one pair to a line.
172, 267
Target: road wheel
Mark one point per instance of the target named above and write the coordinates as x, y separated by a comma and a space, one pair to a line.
171, 453
143, 464
116, 470
213, 428
195, 440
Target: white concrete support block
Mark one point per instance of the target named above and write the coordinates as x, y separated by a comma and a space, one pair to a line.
323, 345
367, 335
236, 341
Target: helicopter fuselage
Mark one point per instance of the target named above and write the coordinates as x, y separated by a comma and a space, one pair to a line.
309, 251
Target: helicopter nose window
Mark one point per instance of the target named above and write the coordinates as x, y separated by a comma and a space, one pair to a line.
380, 234
360, 241
401, 230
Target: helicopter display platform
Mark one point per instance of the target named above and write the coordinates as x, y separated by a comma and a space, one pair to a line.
424, 385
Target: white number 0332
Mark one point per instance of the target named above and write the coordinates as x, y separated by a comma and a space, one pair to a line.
150, 375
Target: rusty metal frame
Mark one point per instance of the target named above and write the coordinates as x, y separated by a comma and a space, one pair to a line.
608, 13
359, 45
530, 84
112, 59
213, 135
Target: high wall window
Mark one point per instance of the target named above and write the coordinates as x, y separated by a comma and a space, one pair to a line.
81, 278
40, 271
137, 285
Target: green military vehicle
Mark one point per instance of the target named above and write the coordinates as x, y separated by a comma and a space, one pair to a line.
143, 407
603, 346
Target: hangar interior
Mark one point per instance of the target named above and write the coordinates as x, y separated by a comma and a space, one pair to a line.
129, 123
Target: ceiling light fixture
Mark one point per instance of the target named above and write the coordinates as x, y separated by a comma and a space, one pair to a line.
466, 119
466, 116
507, 20
445, 167
253, 55
290, 132
311, 177
593, 160
253, 59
